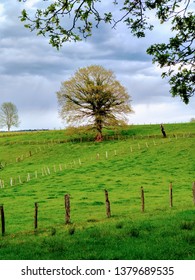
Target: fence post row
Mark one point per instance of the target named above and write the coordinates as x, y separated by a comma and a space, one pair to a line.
2, 220
108, 211
107, 203
46, 170
67, 208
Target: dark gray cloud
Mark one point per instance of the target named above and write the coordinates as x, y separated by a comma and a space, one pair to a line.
31, 71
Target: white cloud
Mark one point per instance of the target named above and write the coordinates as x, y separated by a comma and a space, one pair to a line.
31, 4
2, 14
165, 112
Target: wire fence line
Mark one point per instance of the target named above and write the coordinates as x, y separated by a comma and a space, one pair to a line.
47, 170
67, 207
90, 138
25, 155
45, 144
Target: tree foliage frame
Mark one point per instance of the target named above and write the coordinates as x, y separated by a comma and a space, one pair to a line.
72, 20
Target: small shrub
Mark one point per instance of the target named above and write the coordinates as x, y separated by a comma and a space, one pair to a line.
119, 225
190, 238
97, 203
187, 225
92, 220
134, 232
71, 230
53, 231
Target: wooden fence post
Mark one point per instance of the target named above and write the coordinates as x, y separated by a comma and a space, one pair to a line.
193, 191
2, 220
19, 178
36, 216
108, 211
142, 200
147, 145
171, 194
67, 208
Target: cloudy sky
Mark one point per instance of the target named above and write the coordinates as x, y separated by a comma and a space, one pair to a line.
31, 71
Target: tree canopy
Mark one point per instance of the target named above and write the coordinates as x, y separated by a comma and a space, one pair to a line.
72, 20
8, 115
94, 96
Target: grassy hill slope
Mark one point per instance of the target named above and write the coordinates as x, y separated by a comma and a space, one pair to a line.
44, 166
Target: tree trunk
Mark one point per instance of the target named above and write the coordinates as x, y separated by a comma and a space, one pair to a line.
163, 131
99, 136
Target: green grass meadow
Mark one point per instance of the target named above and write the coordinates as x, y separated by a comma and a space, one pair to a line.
43, 166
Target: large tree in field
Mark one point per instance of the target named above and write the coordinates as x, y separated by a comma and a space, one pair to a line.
94, 96
71, 20
8, 115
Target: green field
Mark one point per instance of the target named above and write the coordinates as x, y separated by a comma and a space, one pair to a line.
44, 166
